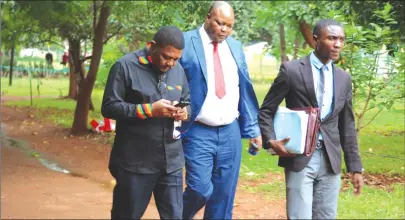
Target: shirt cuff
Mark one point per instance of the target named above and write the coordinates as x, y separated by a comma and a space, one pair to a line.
144, 111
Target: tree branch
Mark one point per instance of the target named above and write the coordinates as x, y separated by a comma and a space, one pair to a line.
112, 35
305, 29
371, 119
47, 41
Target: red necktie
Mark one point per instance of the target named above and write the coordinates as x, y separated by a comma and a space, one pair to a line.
219, 76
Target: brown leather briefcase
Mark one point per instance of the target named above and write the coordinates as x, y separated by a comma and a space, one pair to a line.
312, 129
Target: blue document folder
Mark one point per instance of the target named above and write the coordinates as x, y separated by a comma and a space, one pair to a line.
293, 124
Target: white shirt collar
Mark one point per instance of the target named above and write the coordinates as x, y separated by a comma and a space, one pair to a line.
206, 40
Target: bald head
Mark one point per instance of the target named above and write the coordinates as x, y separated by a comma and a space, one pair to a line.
219, 21
220, 5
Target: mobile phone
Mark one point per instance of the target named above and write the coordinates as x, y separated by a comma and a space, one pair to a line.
253, 149
182, 104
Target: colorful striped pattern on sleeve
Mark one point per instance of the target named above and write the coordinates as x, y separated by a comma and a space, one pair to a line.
144, 111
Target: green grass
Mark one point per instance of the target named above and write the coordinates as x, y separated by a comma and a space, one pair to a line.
372, 203
387, 122
376, 150
47, 87
275, 190
62, 109
256, 167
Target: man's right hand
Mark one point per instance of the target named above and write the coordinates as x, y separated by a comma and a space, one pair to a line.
163, 108
279, 147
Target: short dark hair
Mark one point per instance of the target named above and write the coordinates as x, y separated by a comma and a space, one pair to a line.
169, 35
323, 24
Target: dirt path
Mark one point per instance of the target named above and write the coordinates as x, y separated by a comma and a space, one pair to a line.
29, 190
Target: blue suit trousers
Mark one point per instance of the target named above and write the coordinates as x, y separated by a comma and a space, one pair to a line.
213, 156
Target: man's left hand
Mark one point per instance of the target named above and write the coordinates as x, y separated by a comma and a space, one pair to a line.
357, 181
257, 141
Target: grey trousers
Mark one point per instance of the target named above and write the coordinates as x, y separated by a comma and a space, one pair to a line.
313, 192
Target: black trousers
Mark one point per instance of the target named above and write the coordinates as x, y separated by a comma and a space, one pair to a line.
133, 191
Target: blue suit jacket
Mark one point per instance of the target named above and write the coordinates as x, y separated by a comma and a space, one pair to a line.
193, 62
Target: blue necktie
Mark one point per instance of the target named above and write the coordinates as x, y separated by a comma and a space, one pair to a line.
321, 87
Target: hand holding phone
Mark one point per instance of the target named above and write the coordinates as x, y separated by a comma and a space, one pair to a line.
181, 113
182, 104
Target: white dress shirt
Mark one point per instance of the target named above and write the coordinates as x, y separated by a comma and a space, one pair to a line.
215, 111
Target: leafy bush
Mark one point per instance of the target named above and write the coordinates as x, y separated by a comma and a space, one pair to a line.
111, 54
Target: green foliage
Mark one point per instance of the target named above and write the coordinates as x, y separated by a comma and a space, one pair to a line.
366, 10
14, 23
141, 19
5, 61
111, 53
67, 19
377, 81
273, 13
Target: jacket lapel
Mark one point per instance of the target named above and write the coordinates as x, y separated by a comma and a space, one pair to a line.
308, 78
199, 49
235, 52
336, 86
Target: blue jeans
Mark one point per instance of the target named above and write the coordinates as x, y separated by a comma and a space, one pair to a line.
313, 192
133, 191
213, 156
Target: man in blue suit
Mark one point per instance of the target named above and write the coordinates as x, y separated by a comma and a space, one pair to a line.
224, 110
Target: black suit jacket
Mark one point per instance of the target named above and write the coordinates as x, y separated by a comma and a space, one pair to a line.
295, 84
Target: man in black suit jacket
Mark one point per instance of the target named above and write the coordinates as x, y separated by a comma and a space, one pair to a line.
313, 182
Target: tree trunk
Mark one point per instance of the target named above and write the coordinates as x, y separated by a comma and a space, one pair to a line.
75, 52
296, 46
306, 31
80, 121
283, 46
74, 57
10, 82
72, 80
